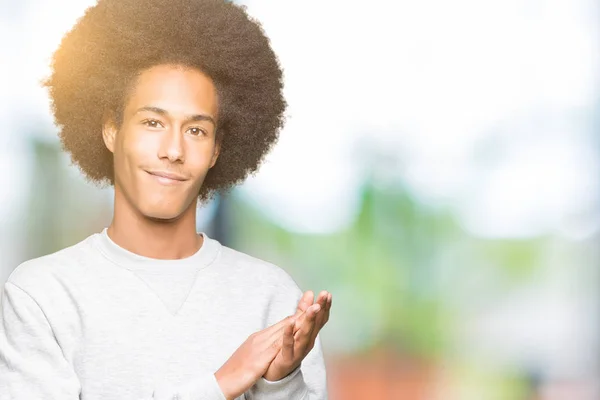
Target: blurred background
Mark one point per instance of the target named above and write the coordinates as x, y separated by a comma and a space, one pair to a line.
439, 174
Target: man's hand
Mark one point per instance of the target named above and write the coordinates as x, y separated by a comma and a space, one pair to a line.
298, 339
251, 360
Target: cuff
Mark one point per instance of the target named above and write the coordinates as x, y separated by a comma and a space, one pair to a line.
290, 387
204, 387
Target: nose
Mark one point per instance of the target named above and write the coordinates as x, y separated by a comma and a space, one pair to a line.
172, 146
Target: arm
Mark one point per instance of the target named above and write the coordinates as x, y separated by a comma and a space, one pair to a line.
32, 364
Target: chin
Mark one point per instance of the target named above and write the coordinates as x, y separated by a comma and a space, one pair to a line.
161, 208
162, 214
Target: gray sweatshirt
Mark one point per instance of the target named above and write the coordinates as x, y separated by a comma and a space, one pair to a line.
95, 321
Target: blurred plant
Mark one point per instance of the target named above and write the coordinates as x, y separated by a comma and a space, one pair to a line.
395, 268
383, 261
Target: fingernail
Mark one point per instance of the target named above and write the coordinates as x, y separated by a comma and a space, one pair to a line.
317, 307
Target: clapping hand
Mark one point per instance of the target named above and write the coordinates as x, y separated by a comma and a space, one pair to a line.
298, 338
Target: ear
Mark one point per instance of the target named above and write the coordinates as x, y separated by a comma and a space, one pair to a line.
215, 155
109, 134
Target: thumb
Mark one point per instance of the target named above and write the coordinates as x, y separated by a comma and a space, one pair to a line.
306, 301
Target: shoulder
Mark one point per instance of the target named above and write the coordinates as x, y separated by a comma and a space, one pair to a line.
254, 268
265, 285
36, 274
264, 274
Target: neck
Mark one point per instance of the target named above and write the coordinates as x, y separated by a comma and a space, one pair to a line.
159, 239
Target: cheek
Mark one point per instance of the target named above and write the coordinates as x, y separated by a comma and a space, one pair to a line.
202, 161
128, 160
136, 148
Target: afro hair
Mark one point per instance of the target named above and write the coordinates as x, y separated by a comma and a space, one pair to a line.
98, 60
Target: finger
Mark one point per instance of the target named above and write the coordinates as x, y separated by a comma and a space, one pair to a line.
304, 341
303, 334
273, 344
281, 328
314, 332
299, 321
267, 332
305, 301
326, 309
324, 318
287, 347
302, 318
322, 300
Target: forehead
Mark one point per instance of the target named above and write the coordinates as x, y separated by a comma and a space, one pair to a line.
177, 89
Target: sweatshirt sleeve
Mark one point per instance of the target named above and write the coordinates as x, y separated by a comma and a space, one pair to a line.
205, 387
32, 364
33, 367
309, 380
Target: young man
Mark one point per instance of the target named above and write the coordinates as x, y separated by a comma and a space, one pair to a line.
170, 102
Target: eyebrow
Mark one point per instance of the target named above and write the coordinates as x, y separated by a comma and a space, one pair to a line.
189, 118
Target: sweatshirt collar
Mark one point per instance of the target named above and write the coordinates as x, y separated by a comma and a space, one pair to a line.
122, 257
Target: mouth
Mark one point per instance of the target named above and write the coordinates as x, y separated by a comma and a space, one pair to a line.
167, 178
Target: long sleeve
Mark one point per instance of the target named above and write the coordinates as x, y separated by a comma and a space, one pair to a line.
205, 387
307, 382
32, 365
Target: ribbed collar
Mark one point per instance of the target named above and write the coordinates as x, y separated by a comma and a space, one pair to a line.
129, 260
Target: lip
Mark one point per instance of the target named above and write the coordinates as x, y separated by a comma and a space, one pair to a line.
167, 177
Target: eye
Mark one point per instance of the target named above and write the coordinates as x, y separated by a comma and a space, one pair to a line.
197, 131
152, 123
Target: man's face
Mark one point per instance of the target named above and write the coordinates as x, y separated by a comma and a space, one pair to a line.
166, 143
